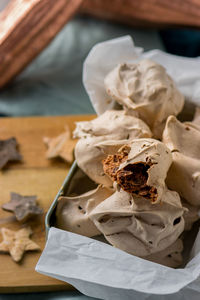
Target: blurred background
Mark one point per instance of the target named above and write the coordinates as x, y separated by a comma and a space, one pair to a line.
52, 85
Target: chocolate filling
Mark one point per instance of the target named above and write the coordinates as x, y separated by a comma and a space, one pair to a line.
132, 178
112, 162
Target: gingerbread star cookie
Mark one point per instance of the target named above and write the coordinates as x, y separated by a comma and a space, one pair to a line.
17, 242
23, 207
60, 146
8, 151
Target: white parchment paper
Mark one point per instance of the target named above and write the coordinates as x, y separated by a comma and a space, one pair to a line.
95, 268
105, 56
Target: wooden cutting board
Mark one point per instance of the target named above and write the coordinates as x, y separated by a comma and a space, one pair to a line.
34, 176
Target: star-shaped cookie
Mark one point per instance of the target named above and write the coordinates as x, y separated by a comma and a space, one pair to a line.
8, 151
17, 242
23, 207
61, 146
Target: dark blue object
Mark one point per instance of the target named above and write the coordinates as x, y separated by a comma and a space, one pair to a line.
68, 295
184, 42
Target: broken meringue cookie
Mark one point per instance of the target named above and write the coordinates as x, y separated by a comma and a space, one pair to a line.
183, 140
72, 212
140, 168
169, 257
102, 136
89, 154
145, 88
114, 125
136, 226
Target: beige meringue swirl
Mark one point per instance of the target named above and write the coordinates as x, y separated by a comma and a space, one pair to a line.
145, 88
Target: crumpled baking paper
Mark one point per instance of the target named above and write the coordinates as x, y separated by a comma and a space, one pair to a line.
98, 269
105, 56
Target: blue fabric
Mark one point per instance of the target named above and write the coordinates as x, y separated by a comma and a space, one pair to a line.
184, 42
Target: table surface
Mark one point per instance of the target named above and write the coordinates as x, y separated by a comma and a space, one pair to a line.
35, 175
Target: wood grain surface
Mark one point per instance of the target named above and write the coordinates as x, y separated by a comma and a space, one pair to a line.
146, 12
34, 176
26, 27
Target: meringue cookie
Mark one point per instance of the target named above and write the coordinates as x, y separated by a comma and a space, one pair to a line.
197, 116
183, 139
190, 215
89, 154
136, 226
114, 125
140, 168
72, 212
170, 257
102, 135
145, 88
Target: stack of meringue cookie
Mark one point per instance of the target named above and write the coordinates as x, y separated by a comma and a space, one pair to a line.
146, 165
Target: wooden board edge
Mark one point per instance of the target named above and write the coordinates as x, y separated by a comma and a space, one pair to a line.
34, 289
